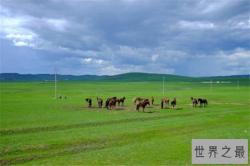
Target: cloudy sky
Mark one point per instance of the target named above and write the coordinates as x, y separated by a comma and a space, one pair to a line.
107, 37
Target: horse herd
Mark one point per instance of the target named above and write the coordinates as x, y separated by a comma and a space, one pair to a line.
111, 102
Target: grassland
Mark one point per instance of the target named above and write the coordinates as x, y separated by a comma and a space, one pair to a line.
38, 129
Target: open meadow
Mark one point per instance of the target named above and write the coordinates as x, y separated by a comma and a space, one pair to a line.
38, 129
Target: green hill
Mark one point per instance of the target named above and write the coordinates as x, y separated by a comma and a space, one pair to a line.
146, 77
128, 77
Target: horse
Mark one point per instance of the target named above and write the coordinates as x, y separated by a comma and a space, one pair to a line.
99, 101
137, 99
202, 101
173, 103
152, 100
107, 101
120, 100
162, 102
195, 102
142, 104
89, 101
112, 103
166, 101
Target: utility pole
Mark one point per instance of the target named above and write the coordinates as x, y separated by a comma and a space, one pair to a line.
55, 83
238, 85
211, 88
163, 86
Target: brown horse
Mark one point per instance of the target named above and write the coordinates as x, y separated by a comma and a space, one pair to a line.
142, 104
195, 102
112, 103
173, 103
99, 101
89, 101
166, 101
121, 100
137, 99
152, 100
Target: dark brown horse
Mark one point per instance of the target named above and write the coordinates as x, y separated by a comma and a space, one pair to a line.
142, 104
121, 100
166, 101
162, 102
202, 101
152, 100
173, 103
195, 102
107, 101
112, 103
99, 101
89, 101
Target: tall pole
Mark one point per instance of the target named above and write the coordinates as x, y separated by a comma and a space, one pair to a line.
55, 82
211, 88
163, 86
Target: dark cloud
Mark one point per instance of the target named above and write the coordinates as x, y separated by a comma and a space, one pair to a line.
86, 37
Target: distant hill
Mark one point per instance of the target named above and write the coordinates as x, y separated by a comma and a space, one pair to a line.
146, 77
133, 77
45, 77
122, 77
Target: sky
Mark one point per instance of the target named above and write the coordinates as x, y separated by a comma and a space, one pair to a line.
108, 37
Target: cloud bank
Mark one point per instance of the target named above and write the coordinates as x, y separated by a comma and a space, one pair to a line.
191, 38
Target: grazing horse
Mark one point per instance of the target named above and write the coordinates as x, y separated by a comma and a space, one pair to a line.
99, 101
166, 101
173, 103
112, 103
202, 101
137, 99
152, 100
121, 100
195, 102
89, 101
107, 101
142, 104
162, 102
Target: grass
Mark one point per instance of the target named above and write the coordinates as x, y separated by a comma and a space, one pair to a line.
37, 129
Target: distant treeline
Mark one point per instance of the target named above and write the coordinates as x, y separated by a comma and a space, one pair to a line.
122, 77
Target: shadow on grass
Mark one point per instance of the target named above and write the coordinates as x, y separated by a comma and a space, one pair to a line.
171, 108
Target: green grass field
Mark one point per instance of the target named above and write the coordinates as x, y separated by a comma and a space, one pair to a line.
37, 129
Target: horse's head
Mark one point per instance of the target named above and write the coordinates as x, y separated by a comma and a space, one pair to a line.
147, 102
192, 98
87, 99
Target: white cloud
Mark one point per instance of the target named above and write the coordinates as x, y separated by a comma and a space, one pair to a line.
154, 57
196, 25
242, 25
19, 36
57, 24
22, 43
